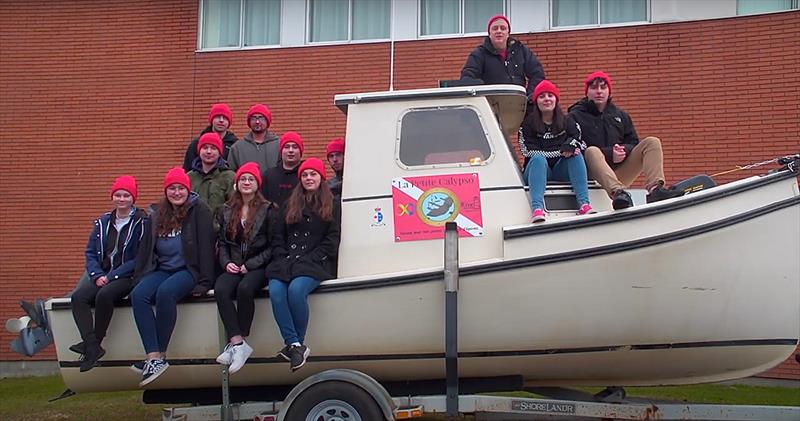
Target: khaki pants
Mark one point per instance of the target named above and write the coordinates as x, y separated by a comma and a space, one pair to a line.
646, 157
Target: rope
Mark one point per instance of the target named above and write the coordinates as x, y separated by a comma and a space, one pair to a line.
747, 167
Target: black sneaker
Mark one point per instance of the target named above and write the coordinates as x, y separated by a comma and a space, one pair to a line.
661, 193
93, 353
78, 348
138, 367
152, 370
284, 353
298, 355
621, 200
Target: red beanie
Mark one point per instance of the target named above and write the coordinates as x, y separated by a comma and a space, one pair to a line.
220, 109
210, 138
593, 76
546, 86
312, 164
291, 137
494, 18
335, 145
127, 183
249, 168
177, 175
259, 109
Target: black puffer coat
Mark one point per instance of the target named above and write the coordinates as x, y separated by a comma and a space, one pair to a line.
604, 129
521, 66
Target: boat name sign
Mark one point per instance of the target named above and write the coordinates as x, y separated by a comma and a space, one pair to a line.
543, 407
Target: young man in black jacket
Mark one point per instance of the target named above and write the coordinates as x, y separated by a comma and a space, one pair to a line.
281, 180
219, 121
615, 156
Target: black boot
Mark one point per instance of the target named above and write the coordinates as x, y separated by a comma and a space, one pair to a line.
620, 199
93, 353
78, 348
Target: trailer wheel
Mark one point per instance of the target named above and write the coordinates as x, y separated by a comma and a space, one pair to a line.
334, 401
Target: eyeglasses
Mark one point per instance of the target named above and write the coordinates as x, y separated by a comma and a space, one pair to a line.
247, 179
258, 117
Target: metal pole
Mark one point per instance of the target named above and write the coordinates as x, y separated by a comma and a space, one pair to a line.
226, 411
451, 316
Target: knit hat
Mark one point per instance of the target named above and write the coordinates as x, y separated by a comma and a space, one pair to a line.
177, 175
312, 164
596, 75
220, 109
259, 109
127, 183
210, 138
249, 168
494, 18
291, 137
545, 86
335, 145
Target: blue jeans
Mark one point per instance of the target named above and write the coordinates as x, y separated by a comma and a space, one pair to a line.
572, 169
290, 306
164, 289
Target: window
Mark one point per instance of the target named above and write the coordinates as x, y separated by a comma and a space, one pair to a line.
597, 12
749, 7
439, 17
344, 20
431, 136
239, 23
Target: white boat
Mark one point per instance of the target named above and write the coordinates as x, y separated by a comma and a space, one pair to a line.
700, 288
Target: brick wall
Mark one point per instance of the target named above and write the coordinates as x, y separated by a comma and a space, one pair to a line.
94, 89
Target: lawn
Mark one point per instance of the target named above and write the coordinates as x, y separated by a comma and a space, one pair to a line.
26, 399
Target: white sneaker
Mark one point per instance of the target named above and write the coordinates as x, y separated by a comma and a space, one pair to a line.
241, 353
227, 355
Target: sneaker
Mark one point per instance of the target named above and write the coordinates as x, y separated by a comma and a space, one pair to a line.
298, 354
284, 353
241, 352
93, 353
78, 348
586, 209
538, 216
620, 199
152, 370
225, 357
661, 193
138, 367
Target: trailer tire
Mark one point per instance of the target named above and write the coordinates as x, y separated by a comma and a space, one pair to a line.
334, 400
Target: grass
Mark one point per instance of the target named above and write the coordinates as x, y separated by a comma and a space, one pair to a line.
26, 399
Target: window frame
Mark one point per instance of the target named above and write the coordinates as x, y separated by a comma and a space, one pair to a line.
241, 46
461, 30
552, 27
349, 39
795, 5
481, 121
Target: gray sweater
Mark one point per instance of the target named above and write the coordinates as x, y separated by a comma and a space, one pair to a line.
266, 154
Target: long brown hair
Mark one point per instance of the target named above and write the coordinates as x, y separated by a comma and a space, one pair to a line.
320, 201
236, 202
170, 218
535, 117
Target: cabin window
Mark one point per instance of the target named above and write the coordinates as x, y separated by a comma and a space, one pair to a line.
435, 136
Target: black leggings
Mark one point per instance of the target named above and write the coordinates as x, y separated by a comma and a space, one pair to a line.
239, 317
103, 299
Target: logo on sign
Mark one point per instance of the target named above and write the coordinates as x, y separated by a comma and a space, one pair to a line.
438, 206
543, 406
377, 218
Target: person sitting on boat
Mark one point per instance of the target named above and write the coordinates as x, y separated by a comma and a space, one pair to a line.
210, 176
176, 259
501, 59
219, 122
244, 252
305, 243
615, 156
280, 181
110, 260
551, 142
334, 151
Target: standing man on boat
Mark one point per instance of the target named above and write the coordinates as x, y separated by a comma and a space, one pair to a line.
260, 145
335, 154
219, 121
502, 59
279, 181
615, 156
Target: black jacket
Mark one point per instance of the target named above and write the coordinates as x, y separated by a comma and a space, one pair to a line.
549, 144
197, 239
191, 150
307, 248
279, 183
254, 252
485, 64
605, 129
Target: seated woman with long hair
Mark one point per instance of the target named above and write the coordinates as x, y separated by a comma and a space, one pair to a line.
305, 244
244, 252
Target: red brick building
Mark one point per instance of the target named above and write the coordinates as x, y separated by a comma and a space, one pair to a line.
93, 89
